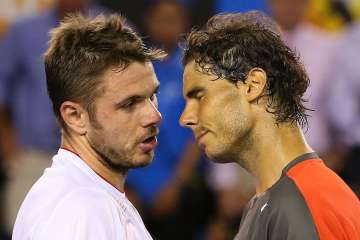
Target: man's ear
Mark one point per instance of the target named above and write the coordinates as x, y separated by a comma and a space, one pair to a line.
74, 116
255, 84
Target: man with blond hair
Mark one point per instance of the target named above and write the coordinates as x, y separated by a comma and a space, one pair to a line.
103, 88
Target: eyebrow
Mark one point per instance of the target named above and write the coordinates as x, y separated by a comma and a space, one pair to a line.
193, 92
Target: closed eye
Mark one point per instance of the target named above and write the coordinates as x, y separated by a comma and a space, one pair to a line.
199, 96
196, 93
154, 96
129, 103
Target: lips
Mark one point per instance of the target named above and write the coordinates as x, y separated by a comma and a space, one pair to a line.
200, 136
149, 144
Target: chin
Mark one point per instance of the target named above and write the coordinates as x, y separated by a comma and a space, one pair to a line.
217, 159
143, 160
218, 156
140, 164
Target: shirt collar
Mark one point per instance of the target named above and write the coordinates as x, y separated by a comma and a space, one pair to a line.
82, 166
303, 157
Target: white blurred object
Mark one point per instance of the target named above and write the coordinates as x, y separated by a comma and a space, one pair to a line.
229, 175
11, 10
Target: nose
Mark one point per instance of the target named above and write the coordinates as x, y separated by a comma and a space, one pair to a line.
188, 117
153, 116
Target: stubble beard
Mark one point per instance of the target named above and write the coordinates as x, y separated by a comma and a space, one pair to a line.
116, 161
235, 149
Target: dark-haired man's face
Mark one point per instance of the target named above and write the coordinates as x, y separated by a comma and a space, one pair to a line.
123, 131
217, 113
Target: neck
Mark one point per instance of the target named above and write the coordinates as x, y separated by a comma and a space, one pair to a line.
79, 145
276, 147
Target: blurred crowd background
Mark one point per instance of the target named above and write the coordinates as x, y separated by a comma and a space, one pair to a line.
180, 195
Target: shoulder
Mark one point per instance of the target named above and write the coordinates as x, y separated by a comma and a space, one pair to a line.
288, 215
85, 201
84, 213
317, 182
328, 198
281, 213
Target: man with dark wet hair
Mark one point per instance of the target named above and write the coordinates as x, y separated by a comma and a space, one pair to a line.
244, 102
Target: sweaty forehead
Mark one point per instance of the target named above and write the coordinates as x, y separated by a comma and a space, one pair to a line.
195, 80
136, 74
194, 76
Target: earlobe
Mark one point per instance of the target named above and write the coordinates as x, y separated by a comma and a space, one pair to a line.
73, 115
255, 84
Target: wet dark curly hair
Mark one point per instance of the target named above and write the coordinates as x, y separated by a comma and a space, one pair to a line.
230, 45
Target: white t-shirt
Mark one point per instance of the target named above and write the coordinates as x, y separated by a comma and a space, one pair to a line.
71, 202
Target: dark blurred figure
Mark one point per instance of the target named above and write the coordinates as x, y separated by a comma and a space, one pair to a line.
165, 22
288, 14
172, 191
343, 104
133, 10
201, 10
3, 232
341, 8
29, 134
233, 188
316, 49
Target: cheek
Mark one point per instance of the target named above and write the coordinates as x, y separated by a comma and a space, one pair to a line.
122, 133
210, 110
118, 122
118, 132
219, 111
117, 127
234, 121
